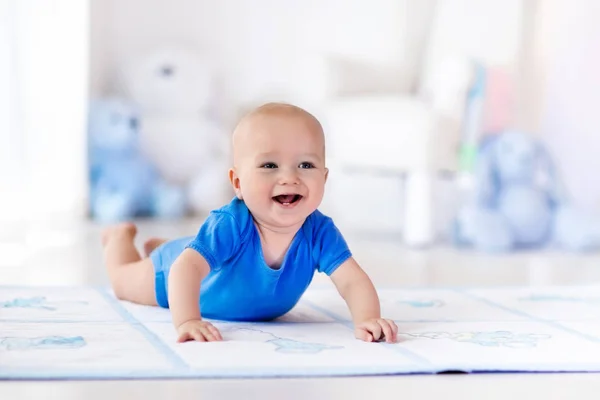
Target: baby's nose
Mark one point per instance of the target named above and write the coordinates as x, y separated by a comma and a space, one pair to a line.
288, 177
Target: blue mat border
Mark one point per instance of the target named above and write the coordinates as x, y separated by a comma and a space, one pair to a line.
176, 361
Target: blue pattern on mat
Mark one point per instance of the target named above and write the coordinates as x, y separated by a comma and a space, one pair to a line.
410, 361
40, 303
418, 360
553, 324
41, 343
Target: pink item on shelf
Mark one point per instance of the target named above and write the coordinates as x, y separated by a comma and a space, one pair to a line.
499, 101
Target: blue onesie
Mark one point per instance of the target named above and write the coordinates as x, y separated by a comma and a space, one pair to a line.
240, 285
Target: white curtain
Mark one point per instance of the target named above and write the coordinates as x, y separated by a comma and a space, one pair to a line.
10, 146
44, 49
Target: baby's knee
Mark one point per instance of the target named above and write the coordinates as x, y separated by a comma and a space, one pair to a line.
119, 287
134, 282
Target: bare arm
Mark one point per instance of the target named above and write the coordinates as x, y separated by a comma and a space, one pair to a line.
360, 295
357, 290
187, 273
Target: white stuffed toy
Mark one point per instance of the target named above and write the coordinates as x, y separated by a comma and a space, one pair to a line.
174, 89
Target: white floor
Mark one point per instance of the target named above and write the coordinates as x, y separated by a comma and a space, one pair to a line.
69, 254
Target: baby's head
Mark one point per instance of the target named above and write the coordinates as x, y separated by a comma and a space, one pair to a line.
279, 164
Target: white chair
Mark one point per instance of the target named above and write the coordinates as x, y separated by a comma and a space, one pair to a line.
417, 134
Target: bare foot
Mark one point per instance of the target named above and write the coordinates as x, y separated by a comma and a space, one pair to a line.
151, 244
125, 228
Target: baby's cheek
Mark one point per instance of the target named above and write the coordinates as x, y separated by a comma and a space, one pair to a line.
318, 186
256, 192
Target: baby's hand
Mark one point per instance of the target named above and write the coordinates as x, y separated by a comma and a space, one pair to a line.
376, 329
201, 331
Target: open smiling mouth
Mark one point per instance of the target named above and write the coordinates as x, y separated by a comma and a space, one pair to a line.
287, 199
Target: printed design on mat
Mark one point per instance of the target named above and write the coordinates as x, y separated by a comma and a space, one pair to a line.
422, 303
562, 299
487, 339
282, 345
41, 343
39, 303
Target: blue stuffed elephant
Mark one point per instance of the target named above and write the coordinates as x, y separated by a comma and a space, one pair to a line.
517, 202
123, 183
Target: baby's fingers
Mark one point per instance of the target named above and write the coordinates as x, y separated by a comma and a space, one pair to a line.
375, 329
199, 336
184, 337
363, 334
215, 332
211, 333
387, 330
394, 328
194, 334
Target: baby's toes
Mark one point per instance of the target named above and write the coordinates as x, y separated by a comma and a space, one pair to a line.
122, 229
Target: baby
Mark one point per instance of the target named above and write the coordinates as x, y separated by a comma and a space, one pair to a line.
253, 258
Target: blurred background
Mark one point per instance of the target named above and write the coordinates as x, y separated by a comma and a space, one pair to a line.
466, 122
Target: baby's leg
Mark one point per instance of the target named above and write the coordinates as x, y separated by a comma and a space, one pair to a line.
132, 277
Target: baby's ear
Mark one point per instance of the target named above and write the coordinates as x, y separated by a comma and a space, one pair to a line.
235, 183
326, 173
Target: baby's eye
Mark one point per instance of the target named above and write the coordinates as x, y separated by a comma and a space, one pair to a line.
269, 165
306, 165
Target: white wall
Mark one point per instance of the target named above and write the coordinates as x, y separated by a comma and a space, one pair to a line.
43, 96
52, 90
10, 144
262, 48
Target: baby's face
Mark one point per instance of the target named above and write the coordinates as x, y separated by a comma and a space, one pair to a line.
280, 168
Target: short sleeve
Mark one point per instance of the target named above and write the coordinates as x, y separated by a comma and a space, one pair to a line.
218, 239
329, 248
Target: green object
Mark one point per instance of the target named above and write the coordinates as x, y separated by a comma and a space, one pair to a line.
467, 157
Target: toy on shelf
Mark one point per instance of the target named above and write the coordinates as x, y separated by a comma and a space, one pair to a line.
123, 183
517, 201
